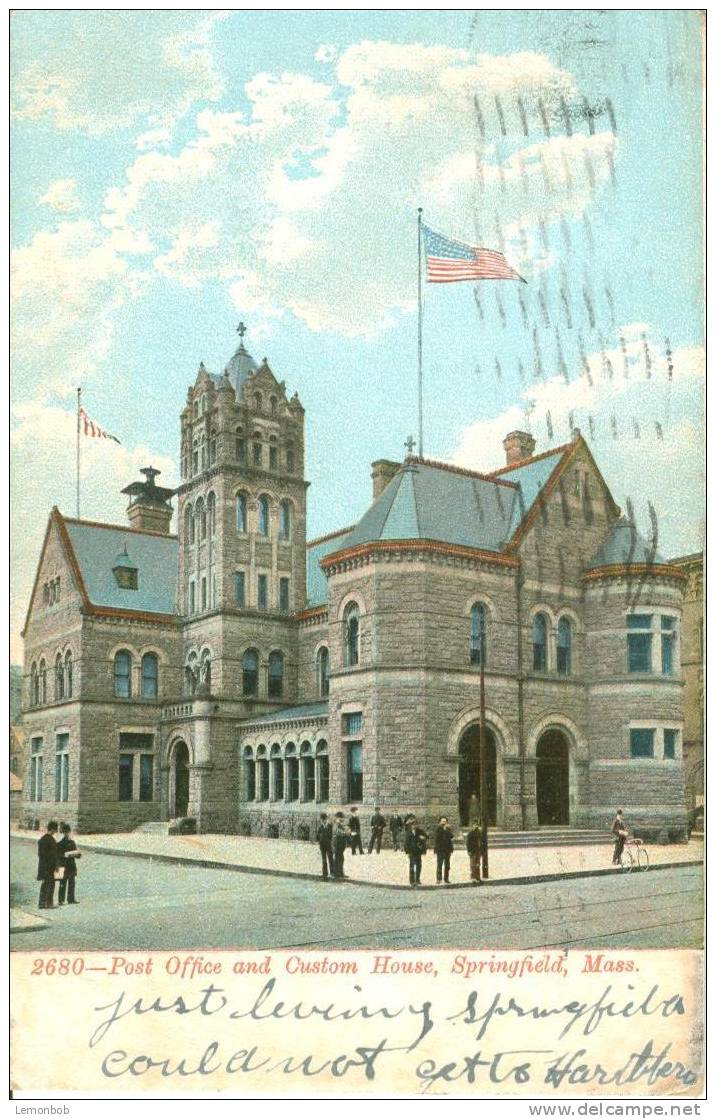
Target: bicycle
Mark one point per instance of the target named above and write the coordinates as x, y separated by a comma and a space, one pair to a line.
634, 856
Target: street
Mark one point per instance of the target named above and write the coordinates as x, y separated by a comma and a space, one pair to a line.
130, 903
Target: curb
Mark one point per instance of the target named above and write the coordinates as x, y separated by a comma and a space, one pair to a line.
216, 864
32, 923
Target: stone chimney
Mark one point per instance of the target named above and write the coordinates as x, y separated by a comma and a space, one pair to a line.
518, 445
382, 470
149, 509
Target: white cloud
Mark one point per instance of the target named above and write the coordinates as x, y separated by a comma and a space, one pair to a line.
636, 405
310, 167
326, 52
111, 69
61, 195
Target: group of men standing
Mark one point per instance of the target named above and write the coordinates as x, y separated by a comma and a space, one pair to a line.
57, 862
336, 836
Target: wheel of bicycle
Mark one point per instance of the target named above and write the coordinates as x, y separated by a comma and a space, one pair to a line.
627, 863
643, 858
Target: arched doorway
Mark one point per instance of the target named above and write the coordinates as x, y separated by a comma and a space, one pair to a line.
553, 778
180, 770
469, 773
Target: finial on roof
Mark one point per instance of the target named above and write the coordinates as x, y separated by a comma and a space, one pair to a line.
410, 445
241, 330
150, 473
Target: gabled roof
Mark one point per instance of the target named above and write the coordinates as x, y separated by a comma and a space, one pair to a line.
625, 545
91, 548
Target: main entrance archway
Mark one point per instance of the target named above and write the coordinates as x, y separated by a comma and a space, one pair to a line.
469, 773
553, 778
180, 776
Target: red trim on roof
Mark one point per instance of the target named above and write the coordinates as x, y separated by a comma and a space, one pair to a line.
120, 528
619, 570
136, 615
418, 545
310, 612
533, 458
438, 465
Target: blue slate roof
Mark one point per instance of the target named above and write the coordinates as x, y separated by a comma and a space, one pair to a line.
531, 478
316, 583
240, 368
430, 502
303, 711
624, 545
96, 548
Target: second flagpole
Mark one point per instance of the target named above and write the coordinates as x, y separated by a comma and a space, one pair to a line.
420, 332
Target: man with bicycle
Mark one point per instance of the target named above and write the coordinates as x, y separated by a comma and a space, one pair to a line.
620, 831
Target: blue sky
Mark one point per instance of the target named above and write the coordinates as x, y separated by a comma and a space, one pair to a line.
176, 171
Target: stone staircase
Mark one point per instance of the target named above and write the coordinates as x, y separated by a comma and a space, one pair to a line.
542, 837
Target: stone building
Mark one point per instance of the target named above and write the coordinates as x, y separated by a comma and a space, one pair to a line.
237, 674
692, 666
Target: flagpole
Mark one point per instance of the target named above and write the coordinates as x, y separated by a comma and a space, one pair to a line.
420, 333
79, 395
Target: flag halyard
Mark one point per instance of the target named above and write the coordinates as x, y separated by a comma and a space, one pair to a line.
449, 261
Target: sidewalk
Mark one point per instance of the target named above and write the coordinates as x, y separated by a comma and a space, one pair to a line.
299, 859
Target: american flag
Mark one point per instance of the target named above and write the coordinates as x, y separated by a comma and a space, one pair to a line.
450, 260
89, 427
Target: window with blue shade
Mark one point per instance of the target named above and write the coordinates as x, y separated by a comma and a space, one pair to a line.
62, 767
539, 643
641, 742
670, 744
123, 674
241, 512
353, 722
564, 647
639, 642
146, 777
668, 637
126, 773
263, 516
355, 771
478, 634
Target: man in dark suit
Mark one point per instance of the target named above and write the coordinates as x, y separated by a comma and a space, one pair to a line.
620, 831
377, 827
67, 850
443, 849
396, 826
354, 830
416, 844
48, 861
324, 835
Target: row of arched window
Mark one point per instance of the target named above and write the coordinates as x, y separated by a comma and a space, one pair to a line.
148, 677
200, 519
541, 654
62, 679
263, 515
285, 773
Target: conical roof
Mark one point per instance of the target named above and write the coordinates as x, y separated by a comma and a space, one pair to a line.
625, 545
240, 368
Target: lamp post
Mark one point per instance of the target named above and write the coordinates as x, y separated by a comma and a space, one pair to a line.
483, 759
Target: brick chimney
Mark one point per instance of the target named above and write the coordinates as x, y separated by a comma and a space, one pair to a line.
518, 445
149, 509
382, 470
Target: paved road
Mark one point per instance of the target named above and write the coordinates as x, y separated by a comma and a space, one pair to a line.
133, 903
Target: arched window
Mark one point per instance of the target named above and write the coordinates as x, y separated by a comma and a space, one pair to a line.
539, 643
275, 675
290, 460
308, 773
324, 668
211, 513
292, 783
478, 634
59, 677
123, 674
189, 525
249, 774
284, 528
150, 675
250, 673
205, 670
212, 447
564, 646
191, 674
351, 634
202, 450
43, 681
263, 516
34, 686
241, 512
323, 773
262, 768
201, 518
68, 674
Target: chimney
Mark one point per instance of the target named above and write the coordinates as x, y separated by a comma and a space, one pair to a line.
149, 509
382, 470
518, 445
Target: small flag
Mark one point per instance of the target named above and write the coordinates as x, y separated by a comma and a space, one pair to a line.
449, 261
89, 427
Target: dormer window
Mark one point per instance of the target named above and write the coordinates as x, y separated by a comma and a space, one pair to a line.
125, 572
